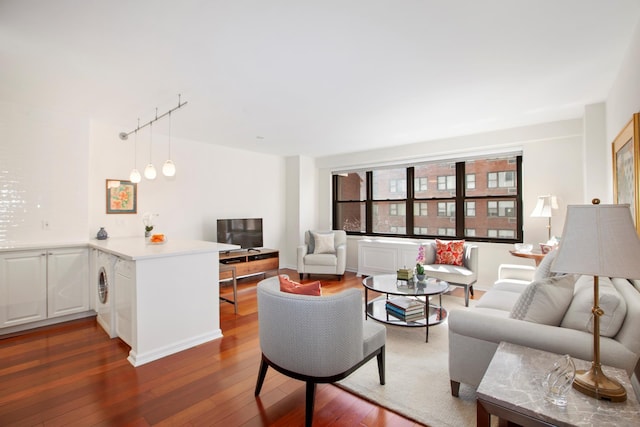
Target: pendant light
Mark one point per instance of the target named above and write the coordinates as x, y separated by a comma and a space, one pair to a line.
169, 169
150, 170
135, 174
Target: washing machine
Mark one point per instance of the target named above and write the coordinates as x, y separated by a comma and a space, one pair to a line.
105, 295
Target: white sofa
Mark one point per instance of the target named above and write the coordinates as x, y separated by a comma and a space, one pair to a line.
474, 333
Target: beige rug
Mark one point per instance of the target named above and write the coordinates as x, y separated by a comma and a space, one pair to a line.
417, 376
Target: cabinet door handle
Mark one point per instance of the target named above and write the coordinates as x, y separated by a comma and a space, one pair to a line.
43, 254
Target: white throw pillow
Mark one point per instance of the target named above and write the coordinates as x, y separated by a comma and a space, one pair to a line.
579, 316
545, 301
544, 269
324, 243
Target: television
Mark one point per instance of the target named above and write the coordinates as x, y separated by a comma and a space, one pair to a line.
245, 232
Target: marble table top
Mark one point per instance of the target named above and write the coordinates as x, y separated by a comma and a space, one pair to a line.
513, 381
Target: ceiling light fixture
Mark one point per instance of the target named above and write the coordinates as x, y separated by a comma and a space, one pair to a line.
135, 176
169, 169
150, 170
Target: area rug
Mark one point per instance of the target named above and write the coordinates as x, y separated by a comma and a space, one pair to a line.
417, 376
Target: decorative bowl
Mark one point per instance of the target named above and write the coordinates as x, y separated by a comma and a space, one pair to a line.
523, 247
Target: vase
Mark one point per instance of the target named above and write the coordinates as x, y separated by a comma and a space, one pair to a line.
102, 234
147, 233
420, 277
558, 381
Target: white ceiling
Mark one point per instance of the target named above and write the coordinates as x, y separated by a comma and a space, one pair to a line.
315, 78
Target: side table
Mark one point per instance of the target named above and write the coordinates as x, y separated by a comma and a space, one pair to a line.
511, 389
535, 256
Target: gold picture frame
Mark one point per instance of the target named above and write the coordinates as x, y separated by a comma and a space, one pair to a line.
626, 179
122, 197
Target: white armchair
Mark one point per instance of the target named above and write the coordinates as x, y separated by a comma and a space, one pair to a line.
465, 275
323, 252
316, 339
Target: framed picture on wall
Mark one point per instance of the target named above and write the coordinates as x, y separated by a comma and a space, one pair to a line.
122, 197
626, 180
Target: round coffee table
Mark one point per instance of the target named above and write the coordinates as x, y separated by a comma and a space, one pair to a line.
388, 284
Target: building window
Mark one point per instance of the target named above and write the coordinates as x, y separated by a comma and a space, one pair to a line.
447, 182
501, 208
395, 200
420, 209
504, 179
471, 181
396, 209
447, 209
470, 208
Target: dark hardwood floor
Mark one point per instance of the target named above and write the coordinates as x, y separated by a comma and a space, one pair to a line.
74, 375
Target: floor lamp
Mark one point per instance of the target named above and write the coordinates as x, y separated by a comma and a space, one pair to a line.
599, 240
544, 207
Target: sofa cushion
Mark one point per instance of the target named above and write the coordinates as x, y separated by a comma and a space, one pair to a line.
449, 253
578, 315
327, 260
544, 269
288, 285
323, 243
545, 301
499, 299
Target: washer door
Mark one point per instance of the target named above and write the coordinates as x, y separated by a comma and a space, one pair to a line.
103, 286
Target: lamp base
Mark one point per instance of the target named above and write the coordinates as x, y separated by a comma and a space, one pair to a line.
596, 384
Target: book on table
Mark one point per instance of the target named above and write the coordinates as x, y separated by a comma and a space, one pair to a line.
405, 303
406, 317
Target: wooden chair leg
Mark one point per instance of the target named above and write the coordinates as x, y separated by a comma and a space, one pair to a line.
301, 276
311, 394
381, 366
262, 373
455, 388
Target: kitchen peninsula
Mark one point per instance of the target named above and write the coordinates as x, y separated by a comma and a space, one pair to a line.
166, 295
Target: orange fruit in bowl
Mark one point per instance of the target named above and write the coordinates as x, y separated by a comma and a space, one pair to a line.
157, 238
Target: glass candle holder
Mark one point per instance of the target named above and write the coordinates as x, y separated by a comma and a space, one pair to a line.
558, 381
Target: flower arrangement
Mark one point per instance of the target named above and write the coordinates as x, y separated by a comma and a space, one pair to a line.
420, 259
147, 220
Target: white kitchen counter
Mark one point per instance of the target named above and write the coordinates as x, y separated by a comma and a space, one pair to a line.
137, 248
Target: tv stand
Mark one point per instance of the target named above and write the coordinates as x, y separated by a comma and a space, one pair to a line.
249, 263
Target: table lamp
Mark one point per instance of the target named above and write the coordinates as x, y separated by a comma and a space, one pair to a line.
543, 209
599, 240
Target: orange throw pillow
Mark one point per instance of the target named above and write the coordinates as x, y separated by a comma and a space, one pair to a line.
288, 285
450, 253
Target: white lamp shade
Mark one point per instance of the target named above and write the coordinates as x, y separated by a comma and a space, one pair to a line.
135, 176
150, 172
168, 169
544, 206
599, 240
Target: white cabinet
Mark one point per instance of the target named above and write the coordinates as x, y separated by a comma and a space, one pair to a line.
67, 281
125, 294
385, 256
23, 287
43, 284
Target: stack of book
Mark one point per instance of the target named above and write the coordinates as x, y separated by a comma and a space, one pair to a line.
405, 308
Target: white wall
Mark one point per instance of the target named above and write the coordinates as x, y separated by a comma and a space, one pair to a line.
211, 182
43, 175
552, 164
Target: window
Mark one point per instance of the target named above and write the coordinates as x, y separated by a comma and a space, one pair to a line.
446, 209
504, 208
447, 182
420, 184
471, 181
420, 209
470, 208
476, 199
397, 186
396, 209
504, 179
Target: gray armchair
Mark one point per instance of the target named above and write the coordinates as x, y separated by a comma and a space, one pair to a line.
310, 261
465, 275
316, 339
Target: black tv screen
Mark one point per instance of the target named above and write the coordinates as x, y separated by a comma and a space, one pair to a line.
245, 232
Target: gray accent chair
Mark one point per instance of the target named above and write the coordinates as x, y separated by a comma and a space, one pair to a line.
312, 263
316, 339
465, 275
